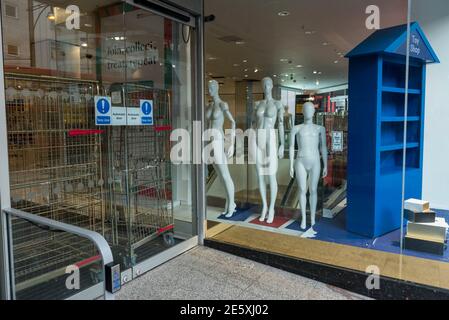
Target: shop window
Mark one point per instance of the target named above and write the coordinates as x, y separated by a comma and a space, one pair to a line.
13, 50
11, 11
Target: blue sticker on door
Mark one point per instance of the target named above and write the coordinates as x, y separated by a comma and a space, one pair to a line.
146, 112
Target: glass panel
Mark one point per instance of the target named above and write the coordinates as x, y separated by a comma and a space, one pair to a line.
53, 265
347, 71
425, 174
93, 92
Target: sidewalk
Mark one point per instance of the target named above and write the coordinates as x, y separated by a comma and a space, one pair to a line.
207, 274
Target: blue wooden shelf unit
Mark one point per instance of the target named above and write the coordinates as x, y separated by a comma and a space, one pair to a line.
377, 75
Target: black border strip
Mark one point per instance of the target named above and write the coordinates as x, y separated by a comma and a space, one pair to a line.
163, 10
390, 289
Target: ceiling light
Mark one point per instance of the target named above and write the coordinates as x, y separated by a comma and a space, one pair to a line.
239, 43
309, 32
245, 61
299, 66
283, 14
236, 65
317, 83
320, 72
325, 44
283, 60
88, 25
275, 76
256, 70
84, 44
211, 58
315, 72
246, 76
336, 61
51, 16
246, 70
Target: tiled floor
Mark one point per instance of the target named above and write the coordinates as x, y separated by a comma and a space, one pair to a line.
207, 274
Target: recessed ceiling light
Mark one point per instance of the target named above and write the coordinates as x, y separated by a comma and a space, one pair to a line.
84, 44
246, 70
256, 70
275, 76
299, 66
283, 60
212, 58
320, 72
239, 43
315, 72
88, 25
317, 82
325, 44
245, 61
309, 32
283, 14
236, 65
336, 61
246, 76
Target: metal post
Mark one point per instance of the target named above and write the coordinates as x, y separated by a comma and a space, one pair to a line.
200, 169
5, 200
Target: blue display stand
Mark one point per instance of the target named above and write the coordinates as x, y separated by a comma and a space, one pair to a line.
377, 74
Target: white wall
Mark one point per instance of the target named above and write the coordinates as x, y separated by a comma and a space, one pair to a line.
433, 17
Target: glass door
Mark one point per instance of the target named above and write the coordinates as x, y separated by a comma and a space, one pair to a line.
93, 92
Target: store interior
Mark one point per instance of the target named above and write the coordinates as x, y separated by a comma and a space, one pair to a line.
379, 152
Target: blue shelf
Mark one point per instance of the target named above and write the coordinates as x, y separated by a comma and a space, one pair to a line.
400, 90
399, 119
399, 146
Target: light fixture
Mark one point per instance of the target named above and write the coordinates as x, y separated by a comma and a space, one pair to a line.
84, 44
88, 25
256, 70
211, 58
283, 14
246, 70
246, 76
315, 72
245, 61
275, 76
236, 65
317, 82
51, 16
239, 43
336, 61
299, 66
309, 32
325, 44
283, 60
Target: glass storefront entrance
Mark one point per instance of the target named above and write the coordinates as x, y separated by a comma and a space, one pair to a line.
93, 91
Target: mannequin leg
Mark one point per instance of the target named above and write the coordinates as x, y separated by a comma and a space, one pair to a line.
273, 196
313, 188
219, 170
262, 185
230, 190
301, 179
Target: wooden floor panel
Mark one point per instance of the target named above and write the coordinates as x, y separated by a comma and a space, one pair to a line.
422, 271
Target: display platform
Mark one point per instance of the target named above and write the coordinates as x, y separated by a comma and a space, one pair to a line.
327, 230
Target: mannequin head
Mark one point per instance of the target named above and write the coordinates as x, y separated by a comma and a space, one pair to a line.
213, 88
308, 111
267, 85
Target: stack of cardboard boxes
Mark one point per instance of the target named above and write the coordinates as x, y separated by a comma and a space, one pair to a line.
425, 232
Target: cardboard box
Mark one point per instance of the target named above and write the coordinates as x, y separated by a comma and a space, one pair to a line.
420, 217
422, 245
416, 205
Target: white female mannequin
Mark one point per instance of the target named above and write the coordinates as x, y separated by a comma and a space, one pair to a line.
215, 114
311, 141
265, 115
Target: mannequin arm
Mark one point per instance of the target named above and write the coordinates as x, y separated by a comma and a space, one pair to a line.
293, 133
281, 131
229, 116
323, 147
